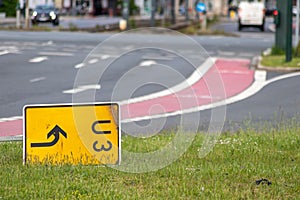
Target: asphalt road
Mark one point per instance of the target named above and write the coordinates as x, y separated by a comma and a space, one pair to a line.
44, 67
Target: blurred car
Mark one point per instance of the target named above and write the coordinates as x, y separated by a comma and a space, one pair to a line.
251, 14
295, 10
45, 13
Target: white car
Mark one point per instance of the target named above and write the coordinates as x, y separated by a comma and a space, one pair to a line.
295, 10
251, 14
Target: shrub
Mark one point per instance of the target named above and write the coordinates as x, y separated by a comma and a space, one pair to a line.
9, 7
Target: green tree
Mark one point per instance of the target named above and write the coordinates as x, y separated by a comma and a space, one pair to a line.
133, 9
9, 7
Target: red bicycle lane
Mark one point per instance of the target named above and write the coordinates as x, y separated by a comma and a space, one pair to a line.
224, 79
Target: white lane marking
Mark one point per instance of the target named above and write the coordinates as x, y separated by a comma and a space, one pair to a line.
37, 79
4, 52
8, 49
46, 53
147, 63
104, 57
191, 96
11, 118
80, 65
196, 76
49, 43
260, 75
253, 89
129, 47
93, 61
38, 59
82, 89
232, 72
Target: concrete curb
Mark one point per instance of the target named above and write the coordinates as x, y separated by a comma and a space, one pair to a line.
272, 28
11, 138
275, 69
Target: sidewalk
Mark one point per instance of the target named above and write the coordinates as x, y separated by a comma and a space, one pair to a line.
67, 21
7, 21
89, 22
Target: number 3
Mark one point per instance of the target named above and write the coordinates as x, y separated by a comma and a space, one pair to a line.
102, 148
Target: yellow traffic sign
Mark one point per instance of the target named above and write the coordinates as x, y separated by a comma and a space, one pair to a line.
72, 134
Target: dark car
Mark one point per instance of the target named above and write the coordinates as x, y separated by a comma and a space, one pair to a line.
45, 13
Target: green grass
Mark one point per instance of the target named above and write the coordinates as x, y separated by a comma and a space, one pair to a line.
33, 28
228, 172
279, 61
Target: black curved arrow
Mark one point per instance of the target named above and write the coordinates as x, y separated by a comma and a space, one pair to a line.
55, 131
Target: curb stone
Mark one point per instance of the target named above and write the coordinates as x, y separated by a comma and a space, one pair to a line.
275, 69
